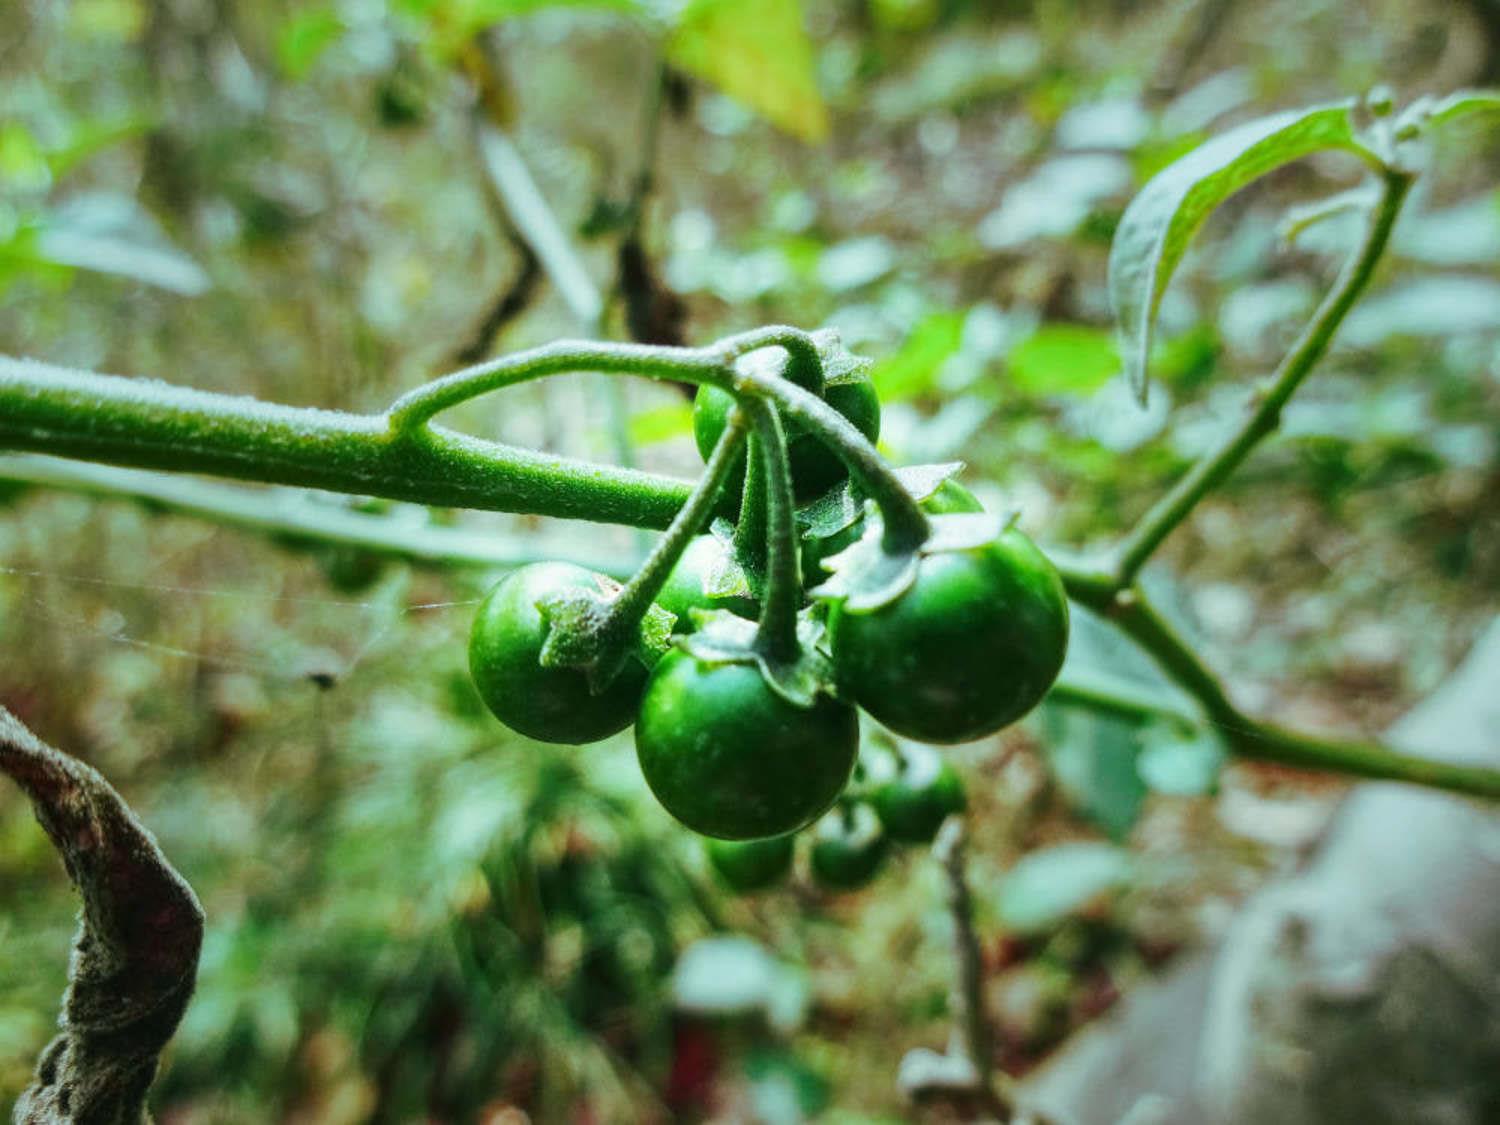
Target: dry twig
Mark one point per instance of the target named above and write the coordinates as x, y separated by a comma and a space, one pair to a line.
135, 958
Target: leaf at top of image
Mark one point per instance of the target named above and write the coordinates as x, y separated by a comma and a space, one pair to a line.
1156, 228
758, 53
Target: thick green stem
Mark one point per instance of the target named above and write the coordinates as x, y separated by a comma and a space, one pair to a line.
1250, 738
636, 596
805, 365
145, 424
687, 365
1310, 347
906, 527
777, 632
750, 527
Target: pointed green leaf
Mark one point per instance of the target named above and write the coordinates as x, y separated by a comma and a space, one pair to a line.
1462, 104
757, 52
1156, 228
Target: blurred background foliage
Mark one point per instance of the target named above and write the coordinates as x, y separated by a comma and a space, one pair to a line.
416, 916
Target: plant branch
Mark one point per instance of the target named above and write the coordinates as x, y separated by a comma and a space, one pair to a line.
776, 634
135, 958
905, 525
1115, 593
1310, 347
1251, 738
689, 365
964, 1076
971, 1036
635, 597
1132, 612
297, 514
144, 424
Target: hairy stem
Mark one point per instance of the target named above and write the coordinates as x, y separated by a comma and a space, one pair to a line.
1310, 347
905, 525
688, 365
295, 514
777, 631
971, 1028
750, 526
1251, 738
144, 424
635, 596
805, 365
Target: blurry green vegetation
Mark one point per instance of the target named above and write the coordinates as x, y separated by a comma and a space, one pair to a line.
417, 916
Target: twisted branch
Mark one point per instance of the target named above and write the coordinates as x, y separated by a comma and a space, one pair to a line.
135, 958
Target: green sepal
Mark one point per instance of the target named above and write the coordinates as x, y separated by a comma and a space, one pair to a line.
842, 505
578, 634
840, 365
866, 576
723, 638
922, 481
727, 578
654, 638
825, 516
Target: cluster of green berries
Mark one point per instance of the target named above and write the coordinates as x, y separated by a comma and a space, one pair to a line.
970, 643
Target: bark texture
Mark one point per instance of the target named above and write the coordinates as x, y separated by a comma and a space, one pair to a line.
135, 958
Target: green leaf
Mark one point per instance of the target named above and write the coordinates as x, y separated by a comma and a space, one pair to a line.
840, 365
1048, 886
1064, 358
913, 369
305, 37
1181, 767
1463, 104
1156, 228
1093, 756
757, 52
